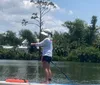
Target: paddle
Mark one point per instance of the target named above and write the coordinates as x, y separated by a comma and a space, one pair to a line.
62, 73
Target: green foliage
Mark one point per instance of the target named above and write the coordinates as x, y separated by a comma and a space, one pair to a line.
93, 22
84, 54
76, 29
81, 43
59, 58
92, 31
27, 34
9, 38
81, 32
17, 55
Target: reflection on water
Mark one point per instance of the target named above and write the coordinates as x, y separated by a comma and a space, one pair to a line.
32, 70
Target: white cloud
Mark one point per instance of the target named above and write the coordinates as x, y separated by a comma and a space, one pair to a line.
27, 4
54, 24
13, 11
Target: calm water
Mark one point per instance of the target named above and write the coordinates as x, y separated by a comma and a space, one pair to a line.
32, 70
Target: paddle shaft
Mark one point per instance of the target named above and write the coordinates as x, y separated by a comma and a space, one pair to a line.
62, 72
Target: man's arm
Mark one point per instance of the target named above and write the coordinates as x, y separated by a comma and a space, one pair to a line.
40, 43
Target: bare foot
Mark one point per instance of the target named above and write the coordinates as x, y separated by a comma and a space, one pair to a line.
45, 82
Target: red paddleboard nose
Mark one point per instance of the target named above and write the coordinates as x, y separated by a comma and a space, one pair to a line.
16, 80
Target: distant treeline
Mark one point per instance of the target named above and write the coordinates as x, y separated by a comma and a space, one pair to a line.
81, 42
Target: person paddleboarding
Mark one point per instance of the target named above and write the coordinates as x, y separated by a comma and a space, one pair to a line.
47, 48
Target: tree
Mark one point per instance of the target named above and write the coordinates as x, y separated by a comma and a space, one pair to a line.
92, 30
11, 39
2, 39
43, 6
27, 34
93, 22
61, 43
81, 33
76, 29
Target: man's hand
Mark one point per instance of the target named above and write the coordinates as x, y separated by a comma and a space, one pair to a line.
32, 43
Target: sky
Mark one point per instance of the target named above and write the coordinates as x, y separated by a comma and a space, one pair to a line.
13, 11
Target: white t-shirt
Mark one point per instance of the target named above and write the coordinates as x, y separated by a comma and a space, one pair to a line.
47, 47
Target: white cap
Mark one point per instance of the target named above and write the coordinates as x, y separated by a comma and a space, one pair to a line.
46, 32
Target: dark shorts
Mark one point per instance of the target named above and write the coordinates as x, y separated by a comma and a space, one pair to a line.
47, 59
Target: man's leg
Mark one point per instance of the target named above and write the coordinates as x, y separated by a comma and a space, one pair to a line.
47, 70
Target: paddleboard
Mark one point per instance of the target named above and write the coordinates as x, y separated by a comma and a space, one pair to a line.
29, 83
16, 81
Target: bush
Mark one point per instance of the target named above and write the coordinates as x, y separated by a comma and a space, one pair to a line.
59, 58
73, 56
84, 54
14, 54
81, 54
